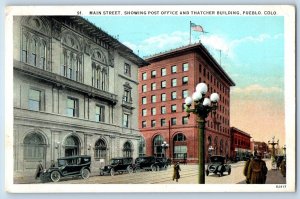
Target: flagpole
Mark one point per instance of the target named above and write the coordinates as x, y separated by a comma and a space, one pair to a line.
190, 31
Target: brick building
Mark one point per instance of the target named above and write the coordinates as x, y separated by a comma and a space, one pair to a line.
240, 143
163, 86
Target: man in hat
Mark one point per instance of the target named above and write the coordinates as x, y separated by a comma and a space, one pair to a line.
247, 167
176, 174
257, 170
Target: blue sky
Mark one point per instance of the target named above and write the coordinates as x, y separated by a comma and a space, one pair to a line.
252, 55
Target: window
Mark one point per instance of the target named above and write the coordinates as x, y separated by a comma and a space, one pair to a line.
25, 48
34, 146
144, 76
163, 110
174, 82
153, 123
34, 100
127, 96
144, 112
180, 146
185, 120
174, 69
153, 74
142, 147
185, 67
163, 72
144, 88
153, 86
144, 124
127, 150
33, 52
185, 94
162, 122
157, 148
163, 84
72, 107
71, 146
99, 76
185, 80
153, 111
173, 121
173, 95
125, 120
127, 69
183, 107
99, 116
163, 97
173, 108
144, 100
100, 149
153, 98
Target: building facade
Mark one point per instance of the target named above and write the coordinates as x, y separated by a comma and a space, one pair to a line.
163, 86
261, 147
240, 143
75, 93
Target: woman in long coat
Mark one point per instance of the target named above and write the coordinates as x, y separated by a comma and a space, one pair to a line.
176, 174
257, 171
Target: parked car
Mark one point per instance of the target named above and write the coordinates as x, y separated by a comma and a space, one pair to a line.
118, 165
151, 163
68, 166
217, 166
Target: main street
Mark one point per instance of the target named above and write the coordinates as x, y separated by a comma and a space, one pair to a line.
189, 175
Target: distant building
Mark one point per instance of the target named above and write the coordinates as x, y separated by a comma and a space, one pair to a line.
240, 143
75, 92
163, 86
261, 147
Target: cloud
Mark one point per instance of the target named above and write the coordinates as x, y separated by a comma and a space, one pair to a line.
256, 88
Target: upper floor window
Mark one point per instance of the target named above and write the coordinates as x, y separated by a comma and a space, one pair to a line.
163, 110
127, 69
144, 76
125, 120
163, 97
99, 76
99, 116
185, 67
153, 74
35, 100
163, 84
127, 93
153, 111
185, 94
153, 98
153, 86
185, 120
163, 72
174, 82
144, 88
173, 121
173, 108
144, 100
173, 95
153, 123
174, 69
144, 124
185, 80
144, 112
72, 107
163, 122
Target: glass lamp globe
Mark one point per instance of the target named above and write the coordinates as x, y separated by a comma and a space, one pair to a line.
202, 88
214, 97
188, 101
206, 102
197, 96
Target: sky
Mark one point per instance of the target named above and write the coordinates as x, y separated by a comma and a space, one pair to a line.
252, 54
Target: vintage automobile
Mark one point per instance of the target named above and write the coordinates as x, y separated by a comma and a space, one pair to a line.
68, 166
118, 165
217, 166
150, 163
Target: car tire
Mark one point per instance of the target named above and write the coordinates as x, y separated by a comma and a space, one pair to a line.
112, 172
130, 169
229, 171
157, 168
153, 168
85, 173
207, 172
55, 176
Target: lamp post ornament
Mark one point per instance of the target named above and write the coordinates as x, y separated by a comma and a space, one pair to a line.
202, 107
164, 145
273, 143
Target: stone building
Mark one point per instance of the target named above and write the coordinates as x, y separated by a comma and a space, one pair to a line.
75, 93
164, 85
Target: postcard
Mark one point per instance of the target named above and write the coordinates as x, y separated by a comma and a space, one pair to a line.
150, 98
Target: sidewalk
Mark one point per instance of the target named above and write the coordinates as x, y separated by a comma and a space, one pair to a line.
273, 177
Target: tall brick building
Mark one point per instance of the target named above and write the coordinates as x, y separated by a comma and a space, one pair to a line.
240, 143
163, 86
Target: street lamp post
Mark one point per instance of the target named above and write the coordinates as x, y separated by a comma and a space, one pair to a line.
165, 145
273, 144
202, 107
210, 149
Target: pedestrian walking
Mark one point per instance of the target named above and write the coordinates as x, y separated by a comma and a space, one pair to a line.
245, 172
283, 167
39, 169
176, 174
257, 170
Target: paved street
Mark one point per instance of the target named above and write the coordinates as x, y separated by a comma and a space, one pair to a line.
189, 175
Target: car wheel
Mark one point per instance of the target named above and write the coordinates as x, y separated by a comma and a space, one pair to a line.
112, 172
207, 172
85, 173
153, 168
55, 176
157, 168
130, 169
229, 171
221, 174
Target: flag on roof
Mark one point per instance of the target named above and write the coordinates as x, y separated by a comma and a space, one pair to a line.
197, 28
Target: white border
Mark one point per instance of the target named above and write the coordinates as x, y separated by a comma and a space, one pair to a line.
289, 20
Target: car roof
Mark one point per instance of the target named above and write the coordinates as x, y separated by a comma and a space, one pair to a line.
72, 157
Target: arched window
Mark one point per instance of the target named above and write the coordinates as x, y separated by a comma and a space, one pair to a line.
100, 149
25, 43
142, 147
71, 146
180, 146
33, 50
34, 147
157, 148
127, 149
